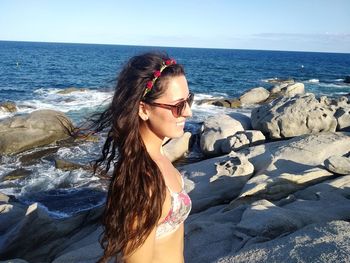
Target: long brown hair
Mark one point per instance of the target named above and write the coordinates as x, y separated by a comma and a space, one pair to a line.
137, 190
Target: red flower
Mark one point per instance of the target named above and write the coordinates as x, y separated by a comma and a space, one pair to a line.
170, 62
149, 85
157, 74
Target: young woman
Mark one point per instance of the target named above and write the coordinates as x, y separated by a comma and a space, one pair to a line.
146, 204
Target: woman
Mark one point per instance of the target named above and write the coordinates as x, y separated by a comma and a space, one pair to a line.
146, 204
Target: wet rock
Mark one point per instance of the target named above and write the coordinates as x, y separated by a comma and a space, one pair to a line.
8, 106
347, 79
17, 174
34, 157
69, 166
70, 90
39, 128
228, 103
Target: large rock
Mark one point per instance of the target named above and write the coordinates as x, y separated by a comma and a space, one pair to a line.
36, 237
176, 148
338, 164
216, 129
221, 235
8, 106
255, 95
282, 168
39, 128
217, 180
292, 116
322, 242
242, 140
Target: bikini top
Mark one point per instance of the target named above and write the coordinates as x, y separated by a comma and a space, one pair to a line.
180, 208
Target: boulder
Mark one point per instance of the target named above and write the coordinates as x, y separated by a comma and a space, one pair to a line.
36, 237
284, 167
297, 224
242, 140
39, 128
16, 174
342, 116
254, 96
228, 103
69, 166
71, 89
292, 116
338, 164
8, 106
304, 245
176, 148
217, 180
347, 79
293, 89
215, 129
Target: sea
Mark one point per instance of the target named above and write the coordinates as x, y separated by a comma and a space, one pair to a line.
32, 74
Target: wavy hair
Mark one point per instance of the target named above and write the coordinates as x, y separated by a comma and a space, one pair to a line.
137, 189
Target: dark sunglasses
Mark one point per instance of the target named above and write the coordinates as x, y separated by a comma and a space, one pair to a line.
177, 109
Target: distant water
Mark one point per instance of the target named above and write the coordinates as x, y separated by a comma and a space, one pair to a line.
31, 74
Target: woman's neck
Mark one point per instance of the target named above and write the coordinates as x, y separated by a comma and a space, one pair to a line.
152, 142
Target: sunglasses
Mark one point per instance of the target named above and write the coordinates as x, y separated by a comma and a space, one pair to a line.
177, 109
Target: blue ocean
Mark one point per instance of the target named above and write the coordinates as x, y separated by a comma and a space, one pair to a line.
32, 73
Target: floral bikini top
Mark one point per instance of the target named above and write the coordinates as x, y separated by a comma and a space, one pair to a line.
180, 208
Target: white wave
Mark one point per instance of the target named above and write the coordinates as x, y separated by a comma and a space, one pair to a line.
339, 80
203, 111
314, 80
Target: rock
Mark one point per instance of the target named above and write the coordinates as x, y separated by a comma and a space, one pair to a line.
215, 130
281, 82
284, 167
4, 198
86, 250
254, 96
34, 157
243, 119
52, 236
70, 90
228, 103
176, 148
338, 164
293, 89
242, 140
42, 127
69, 166
347, 79
234, 143
292, 116
17, 174
8, 106
342, 116
221, 235
216, 181
303, 245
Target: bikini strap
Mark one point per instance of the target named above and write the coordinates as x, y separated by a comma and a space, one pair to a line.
182, 185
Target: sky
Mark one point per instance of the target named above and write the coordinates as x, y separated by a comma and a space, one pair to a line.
298, 25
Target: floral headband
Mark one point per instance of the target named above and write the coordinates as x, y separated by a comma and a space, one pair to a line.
157, 74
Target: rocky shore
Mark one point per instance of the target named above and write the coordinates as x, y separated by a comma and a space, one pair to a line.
273, 187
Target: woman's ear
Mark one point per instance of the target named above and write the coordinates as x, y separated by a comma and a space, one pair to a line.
143, 111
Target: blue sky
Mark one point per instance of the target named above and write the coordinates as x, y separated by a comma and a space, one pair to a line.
301, 25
